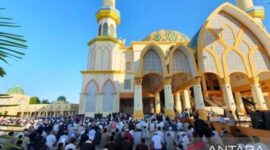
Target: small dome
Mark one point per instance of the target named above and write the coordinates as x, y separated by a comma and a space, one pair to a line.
167, 36
15, 90
61, 98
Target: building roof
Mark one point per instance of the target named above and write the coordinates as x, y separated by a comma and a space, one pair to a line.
15, 90
167, 36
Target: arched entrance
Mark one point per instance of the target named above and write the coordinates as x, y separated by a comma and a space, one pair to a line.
243, 96
212, 90
152, 84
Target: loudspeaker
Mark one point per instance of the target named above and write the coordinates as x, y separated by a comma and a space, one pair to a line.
267, 120
257, 120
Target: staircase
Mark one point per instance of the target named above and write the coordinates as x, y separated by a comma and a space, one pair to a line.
249, 105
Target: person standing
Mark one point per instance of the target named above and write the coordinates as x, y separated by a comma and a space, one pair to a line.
157, 142
51, 140
142, 145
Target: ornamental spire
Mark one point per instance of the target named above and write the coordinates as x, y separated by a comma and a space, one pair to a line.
256, 12
109, 3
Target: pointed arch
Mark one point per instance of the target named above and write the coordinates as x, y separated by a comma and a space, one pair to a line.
208, 63
227, 35
233, 62
91, 92
188, 56
108, 90
261, 62
239, 16
88, 83
99, 30
159, 52
105, 30
112, 30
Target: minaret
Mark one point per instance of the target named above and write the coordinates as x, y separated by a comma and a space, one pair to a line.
108, 18
256, 12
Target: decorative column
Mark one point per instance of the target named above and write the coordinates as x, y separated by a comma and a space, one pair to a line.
187, 104
82, 103
99, 104
117, 102
178, 104
168, 97
138, 104
157, 103
228, 95
205, 93
199, 101
239, 103
258, 94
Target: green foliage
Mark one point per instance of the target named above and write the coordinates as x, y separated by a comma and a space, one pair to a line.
10, 44
45, 101
34, 100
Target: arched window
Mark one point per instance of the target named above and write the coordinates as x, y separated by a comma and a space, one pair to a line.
105, 29
99, 30
112, 31
235, 63
152, 62
90, 102
180, 62
108, 97
209, 64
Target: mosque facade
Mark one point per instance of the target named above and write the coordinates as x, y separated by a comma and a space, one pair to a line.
225, 66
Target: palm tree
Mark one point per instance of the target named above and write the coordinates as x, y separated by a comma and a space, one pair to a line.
10, 44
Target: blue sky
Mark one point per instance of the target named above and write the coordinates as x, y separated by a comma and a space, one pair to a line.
57, 32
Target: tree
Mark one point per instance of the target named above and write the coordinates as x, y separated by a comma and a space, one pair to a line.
10, 44
34, 100
45, 101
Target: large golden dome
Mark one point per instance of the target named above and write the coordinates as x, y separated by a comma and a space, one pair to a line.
167, 36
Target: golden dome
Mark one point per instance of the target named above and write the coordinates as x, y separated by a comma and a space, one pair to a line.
167, 36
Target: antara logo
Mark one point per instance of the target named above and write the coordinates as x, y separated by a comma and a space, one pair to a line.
235, 147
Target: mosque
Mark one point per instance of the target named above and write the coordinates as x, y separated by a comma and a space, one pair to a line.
224, 67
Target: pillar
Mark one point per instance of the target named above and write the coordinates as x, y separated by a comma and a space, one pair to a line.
204, 86
228, 95
239, 103
169, 102
187, 104
82, 103
157, 104
178, 104
258, 94
199, 101
117, 102
138, 104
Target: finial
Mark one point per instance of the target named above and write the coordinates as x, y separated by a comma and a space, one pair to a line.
109, 3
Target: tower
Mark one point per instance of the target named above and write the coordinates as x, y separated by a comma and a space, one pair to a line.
256, 12
100, 85
108, 18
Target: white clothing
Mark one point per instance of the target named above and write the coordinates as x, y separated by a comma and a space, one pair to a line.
50, 140
70, 146
157, 142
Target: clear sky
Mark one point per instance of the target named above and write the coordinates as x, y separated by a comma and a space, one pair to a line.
57, 32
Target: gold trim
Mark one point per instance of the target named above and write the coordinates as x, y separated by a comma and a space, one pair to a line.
108, 14
105, 72
105, 38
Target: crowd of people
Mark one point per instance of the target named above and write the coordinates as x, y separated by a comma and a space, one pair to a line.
121, 132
